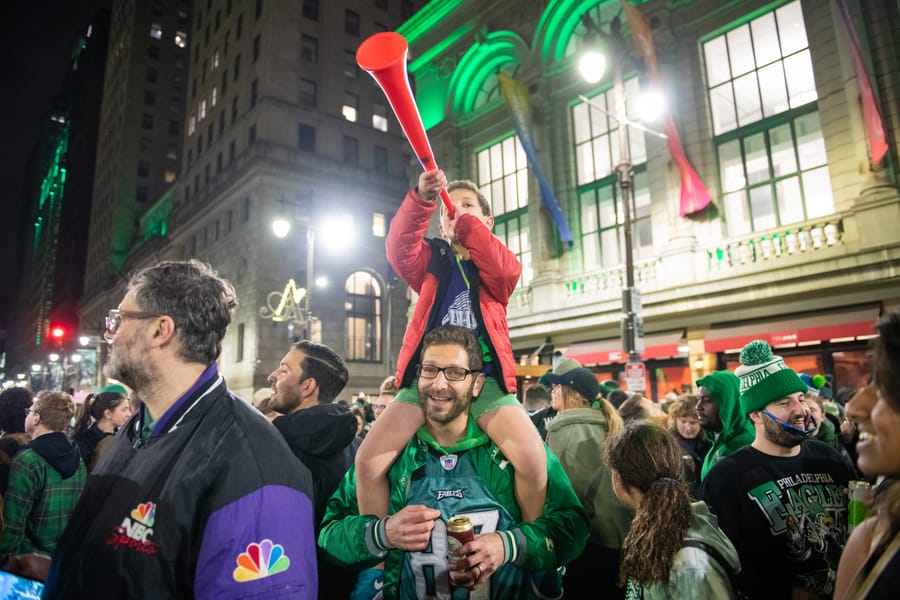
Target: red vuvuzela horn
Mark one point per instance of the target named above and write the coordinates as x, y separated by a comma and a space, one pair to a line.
383, 55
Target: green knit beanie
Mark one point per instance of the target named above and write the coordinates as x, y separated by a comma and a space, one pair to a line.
764, 377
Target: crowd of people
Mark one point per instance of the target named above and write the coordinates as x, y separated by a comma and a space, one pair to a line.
444, 484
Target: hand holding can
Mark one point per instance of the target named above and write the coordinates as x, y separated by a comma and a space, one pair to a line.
460, 531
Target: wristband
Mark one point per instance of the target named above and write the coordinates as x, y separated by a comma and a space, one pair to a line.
510, 549
379, 534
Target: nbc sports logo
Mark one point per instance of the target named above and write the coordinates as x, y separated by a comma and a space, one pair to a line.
261, 560
136, 529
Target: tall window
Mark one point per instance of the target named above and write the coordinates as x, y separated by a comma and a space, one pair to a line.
503, 179
351, 150
351, 22
311, 9
363, 309
351, 69
602, 216
379, 117
380, 159
350, 107
306, 138
307, 93
772, 164
601, 210
309, 49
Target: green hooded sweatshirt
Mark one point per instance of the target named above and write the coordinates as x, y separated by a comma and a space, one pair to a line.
737, 430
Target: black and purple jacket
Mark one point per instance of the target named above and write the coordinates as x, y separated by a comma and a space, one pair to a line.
212, 504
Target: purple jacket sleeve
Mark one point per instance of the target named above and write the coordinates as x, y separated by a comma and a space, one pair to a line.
260, 546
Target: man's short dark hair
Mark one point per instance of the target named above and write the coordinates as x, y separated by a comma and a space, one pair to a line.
56, 409
454, 335
536, 396
14, 405
617, 397
195, 297
632, 410
324, 365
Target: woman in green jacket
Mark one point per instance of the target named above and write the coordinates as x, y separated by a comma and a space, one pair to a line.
578, 437
674, 549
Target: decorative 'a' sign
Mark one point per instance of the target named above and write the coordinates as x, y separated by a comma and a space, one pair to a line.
288, 305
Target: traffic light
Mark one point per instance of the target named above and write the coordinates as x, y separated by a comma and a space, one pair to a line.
58, 332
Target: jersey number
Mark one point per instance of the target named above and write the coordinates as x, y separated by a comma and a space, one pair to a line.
430, 566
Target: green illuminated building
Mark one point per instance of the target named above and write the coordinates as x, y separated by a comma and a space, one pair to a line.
805, 248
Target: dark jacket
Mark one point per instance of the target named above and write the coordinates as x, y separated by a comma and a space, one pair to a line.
192, 509
87, 441
425, 265
324, 438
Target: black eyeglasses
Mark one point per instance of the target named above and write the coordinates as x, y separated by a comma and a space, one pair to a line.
115, 317
450, 373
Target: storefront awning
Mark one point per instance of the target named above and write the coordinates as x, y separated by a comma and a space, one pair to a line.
659, 345
837, 326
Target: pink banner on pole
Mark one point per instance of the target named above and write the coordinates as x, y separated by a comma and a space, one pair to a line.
871, 115
694, 196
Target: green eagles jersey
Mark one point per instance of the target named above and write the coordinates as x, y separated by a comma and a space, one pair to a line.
471, 478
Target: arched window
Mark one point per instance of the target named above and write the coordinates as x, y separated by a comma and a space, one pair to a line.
363, 308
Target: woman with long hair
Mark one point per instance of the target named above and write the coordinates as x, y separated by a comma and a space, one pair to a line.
578, 437
101, 416
870, 564
674, 549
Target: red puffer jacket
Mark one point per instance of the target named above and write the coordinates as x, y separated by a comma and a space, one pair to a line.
425, 265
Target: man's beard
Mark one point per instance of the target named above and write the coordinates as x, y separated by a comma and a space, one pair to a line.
781, 436
284, 402
129, 366
458, 406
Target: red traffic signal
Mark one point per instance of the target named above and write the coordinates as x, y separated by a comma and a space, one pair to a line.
58, 332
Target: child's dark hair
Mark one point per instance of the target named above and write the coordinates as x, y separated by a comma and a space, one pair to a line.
648, 459
95, 405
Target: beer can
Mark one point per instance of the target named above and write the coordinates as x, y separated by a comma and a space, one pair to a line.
459, 531
858, 508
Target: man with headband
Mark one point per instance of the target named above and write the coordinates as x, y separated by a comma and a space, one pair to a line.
782, 499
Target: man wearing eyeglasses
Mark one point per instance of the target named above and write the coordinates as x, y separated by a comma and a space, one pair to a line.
198, 496
452, 468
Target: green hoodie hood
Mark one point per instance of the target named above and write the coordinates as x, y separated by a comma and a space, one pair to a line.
737, 430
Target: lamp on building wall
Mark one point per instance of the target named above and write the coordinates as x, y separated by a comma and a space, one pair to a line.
592, 66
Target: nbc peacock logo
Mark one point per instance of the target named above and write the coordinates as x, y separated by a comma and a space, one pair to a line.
261, 560
145, 512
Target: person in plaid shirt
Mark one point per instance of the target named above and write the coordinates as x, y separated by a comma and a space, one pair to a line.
45, 479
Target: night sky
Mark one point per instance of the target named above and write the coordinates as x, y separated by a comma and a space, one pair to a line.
35, 47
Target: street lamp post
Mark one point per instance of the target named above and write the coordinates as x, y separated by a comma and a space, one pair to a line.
294, 305
591, 67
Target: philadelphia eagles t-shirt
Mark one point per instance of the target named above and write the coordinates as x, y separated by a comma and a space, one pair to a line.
786, 516
456, 307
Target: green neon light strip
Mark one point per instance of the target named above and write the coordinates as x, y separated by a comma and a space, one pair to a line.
426, 19
482, 62
440, 47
